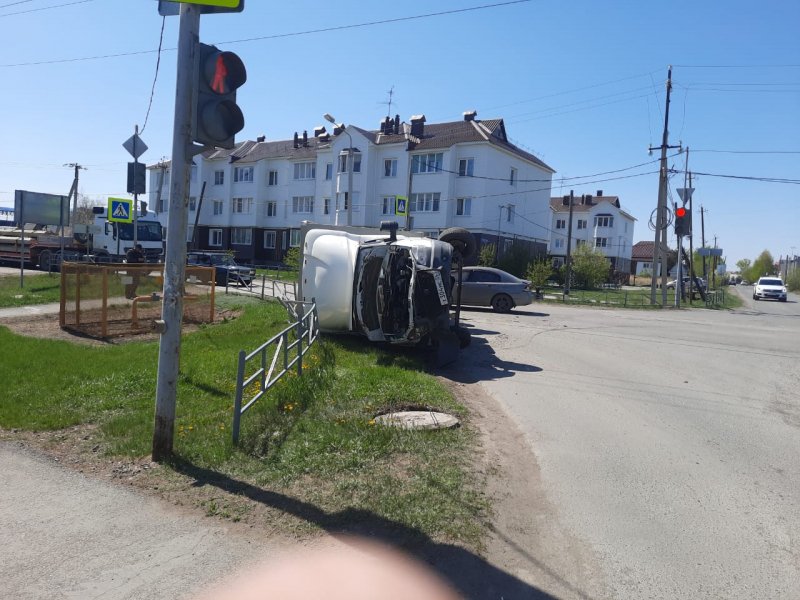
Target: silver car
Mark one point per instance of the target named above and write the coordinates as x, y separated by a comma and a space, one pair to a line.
486, 286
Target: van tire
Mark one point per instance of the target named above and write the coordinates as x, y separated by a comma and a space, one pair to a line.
460, 239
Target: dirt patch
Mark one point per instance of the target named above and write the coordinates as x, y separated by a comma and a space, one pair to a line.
46, 326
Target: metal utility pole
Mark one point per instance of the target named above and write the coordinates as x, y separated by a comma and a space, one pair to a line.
568, 280
660, 249
691, 237
175, 260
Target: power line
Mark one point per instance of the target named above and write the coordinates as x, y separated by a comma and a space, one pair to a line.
746, 177
750, 151
15, 3
155, 77
30, 10
277, 35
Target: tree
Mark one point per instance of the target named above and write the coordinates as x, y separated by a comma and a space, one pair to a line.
763, 265
590, 267
539, 271
743, 265
486, 255
515, 260
292, 259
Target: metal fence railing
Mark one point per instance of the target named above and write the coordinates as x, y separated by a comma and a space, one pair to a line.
259, 370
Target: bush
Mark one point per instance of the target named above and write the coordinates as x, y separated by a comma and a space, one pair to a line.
793, 281
486, 255
516, 260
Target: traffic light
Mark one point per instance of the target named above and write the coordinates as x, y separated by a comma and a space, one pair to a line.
683, 221
217, 118
136, 177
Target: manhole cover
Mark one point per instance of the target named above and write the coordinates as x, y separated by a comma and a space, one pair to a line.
418, 419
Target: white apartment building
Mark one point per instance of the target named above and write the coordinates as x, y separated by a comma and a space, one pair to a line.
456, 174
596, 220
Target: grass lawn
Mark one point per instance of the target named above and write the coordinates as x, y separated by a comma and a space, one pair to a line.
37, 289
312, 438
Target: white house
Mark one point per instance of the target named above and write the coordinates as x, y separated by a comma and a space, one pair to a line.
596, 220
456, 174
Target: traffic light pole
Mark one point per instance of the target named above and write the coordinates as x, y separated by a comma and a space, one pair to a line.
175, 260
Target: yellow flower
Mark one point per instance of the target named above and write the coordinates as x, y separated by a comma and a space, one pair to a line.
371, 422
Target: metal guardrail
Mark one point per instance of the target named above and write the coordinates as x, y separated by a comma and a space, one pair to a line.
287, 345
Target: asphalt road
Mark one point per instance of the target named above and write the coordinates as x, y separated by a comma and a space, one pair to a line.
67, 536
668, 441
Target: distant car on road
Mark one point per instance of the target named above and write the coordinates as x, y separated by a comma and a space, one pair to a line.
685, 284
769, 288
227, 271
487, 286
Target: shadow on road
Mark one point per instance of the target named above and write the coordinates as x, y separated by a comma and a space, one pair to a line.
478, 362
467, 572
514, 313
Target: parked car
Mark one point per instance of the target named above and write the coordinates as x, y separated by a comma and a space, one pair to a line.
386, 286
486, 286
228, 272
769, 287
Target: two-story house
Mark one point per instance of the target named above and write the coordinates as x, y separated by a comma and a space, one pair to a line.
598, 221
455, 174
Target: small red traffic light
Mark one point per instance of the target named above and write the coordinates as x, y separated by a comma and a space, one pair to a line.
680, 212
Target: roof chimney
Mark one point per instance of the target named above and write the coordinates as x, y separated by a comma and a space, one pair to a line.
599, 193
418, 125
305, 138
565, 200
469, 115
337, 129
296, 140
261, 138
319, 131
397, 124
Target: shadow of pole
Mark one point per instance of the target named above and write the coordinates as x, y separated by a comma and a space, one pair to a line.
470, 574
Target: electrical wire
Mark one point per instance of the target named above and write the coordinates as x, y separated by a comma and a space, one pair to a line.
15, 3
30, 10
747, 177
155, 77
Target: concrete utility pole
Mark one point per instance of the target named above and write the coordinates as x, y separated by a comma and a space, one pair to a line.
691, 236
660, 249
175, 260
162, 167
568, 280
703, 240
74, 189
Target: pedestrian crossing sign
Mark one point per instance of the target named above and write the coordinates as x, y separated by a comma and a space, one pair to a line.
401, 206
120, 210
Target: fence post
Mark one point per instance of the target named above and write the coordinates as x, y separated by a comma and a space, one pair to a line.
263, 284
625, 301
299, 317
237, 404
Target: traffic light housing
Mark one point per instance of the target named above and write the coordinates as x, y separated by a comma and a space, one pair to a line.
217, 118
683, 221
137, 173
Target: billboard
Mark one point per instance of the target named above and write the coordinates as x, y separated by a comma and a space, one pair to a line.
42, 209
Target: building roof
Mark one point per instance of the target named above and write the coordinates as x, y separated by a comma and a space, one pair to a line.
434, 136
558, 204
643, 251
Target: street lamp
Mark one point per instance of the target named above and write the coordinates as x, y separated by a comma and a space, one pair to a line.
328, 117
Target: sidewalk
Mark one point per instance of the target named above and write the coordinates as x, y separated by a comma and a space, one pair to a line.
65, 535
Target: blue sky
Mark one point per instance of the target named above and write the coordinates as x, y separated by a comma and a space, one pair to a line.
580, 84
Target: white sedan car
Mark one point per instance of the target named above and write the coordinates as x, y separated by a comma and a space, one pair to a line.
769, 288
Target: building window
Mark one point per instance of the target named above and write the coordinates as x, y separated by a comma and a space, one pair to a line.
215, 237
241, 205
388, 205
269, 239
510, 213
219, 177
604, 221
356, 162
390, 167
192, 203
193, 174
272, 178
561, 223
242, 236
329, 171
219, 207
427, 163
600, 242
305, 170
326, 206
466, 167
428, 202
579, 243
272, 208
582, 223
294, 238
303, 204
242, 174
512, 176
559, 242
463, 207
